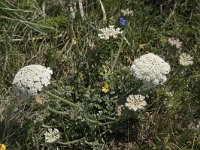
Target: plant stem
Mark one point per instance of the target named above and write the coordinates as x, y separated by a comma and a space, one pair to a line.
134, 89
70, 142
57, 112
61, 99
117, 56
98, 122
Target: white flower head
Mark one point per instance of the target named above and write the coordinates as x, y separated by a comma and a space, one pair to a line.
91, 45
119, 110
135, 102
127, 12
151, 69
52, 135
108, 32
185, 59
30, 80
175, 42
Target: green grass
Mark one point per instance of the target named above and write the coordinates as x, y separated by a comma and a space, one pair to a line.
28, 36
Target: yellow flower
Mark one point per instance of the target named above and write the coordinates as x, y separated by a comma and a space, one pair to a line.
106, 71
2, 147
106, 88
74, 41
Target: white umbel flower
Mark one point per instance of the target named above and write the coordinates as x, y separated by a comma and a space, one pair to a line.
151, 69
119, 110
108, 32
135, 102
51, 135
30, 80
175, 42
127, 12
185, 59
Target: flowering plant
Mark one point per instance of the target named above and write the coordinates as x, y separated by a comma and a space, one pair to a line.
31, 79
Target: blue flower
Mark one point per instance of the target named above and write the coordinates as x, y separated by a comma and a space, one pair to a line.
122, 21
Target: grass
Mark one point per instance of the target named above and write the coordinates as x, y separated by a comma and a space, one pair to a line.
41, 32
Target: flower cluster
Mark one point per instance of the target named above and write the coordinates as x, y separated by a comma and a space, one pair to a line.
135, 102
151, 69
2, 147
74, 41
185, 59
52, 135
105, 87
122, 21
175, 42
30, 80
120, 110
108, 32
127, 12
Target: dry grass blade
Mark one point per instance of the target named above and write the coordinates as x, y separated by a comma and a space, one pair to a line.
80, 2
103, 11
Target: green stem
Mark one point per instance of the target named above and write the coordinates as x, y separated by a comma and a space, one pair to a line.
110, 118
70, 142
117, 56
98, 122
57, 112
61, 99
46, 126
134, 89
